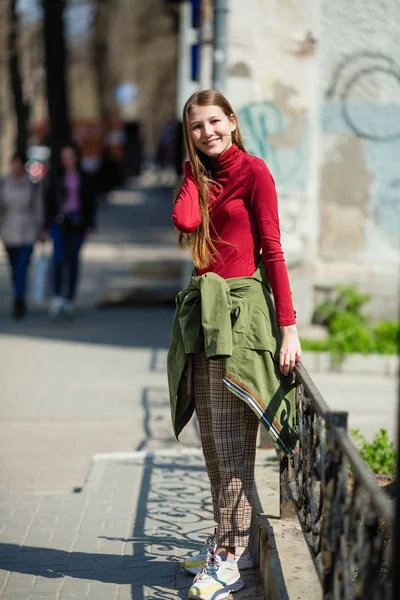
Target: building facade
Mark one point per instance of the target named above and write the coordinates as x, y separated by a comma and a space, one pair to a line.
316, 86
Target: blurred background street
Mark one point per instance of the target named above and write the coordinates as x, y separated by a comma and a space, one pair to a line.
83, 398
115, 347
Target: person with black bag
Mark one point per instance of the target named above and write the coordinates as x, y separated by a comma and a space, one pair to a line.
21, 220
70, 202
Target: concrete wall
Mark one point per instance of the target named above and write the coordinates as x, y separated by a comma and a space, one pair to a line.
273, 85
316, 86
360, 148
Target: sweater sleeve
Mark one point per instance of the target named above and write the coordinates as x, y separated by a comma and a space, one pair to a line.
186, 213
265, 205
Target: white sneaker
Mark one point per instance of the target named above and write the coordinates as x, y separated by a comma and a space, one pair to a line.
56, 306
216, 580
69, 307
244, 561
194, 563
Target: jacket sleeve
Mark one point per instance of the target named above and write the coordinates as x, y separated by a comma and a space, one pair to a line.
186, 213
265, 205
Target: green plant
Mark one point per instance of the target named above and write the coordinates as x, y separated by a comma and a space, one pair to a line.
314, 345
380, 455
348, 328
346, 299
348, 333
387, 337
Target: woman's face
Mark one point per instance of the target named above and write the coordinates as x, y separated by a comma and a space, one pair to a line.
17, 167
211, 129
68, 158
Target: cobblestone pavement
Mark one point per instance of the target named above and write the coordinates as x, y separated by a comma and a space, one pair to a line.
122, 538
114, 527
96, 386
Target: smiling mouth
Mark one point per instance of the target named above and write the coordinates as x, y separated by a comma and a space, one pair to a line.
212, 141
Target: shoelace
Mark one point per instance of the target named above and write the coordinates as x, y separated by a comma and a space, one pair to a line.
210, 541
210, 566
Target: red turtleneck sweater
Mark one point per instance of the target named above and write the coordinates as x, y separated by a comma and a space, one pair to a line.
243, 213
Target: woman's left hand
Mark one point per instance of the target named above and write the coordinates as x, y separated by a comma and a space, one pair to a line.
290, 353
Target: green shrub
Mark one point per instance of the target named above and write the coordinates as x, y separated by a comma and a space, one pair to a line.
348, 328
349, 334
315, 345
387, 337
380, 455
346, 300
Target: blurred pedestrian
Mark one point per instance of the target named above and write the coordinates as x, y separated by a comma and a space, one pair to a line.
21, 221
70, 214
110, 175
229, 359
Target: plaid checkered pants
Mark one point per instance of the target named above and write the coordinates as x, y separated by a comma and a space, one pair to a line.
228, 431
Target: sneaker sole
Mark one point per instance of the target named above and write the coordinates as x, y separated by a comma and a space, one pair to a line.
224, 593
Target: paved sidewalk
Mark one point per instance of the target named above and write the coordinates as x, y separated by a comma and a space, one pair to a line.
96, 386
115, 527
122, 538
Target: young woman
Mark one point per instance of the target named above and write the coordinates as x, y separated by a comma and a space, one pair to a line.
21, 216
232, 351
70, 211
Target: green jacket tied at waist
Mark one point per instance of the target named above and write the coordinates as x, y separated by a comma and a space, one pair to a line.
232, 319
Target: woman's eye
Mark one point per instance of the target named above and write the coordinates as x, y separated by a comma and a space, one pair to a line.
214, 121
197, 127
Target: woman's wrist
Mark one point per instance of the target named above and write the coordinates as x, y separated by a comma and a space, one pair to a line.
285, 329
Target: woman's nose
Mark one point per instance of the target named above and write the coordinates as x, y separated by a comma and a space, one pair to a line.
208, 130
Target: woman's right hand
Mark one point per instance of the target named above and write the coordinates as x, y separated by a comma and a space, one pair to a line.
290, 352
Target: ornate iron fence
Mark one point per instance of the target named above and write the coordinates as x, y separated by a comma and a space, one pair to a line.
347, 520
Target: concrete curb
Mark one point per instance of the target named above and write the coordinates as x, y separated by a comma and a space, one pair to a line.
371, 364
286, 568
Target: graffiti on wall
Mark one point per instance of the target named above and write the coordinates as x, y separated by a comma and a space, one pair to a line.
368, 76
363, 99
277, 133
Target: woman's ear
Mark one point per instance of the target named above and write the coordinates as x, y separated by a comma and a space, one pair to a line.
232, 119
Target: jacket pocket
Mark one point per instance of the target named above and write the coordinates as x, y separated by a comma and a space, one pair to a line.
260, 335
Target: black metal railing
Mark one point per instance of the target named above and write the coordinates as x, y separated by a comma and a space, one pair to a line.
347, 520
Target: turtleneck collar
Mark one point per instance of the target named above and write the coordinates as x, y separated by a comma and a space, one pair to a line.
224, 161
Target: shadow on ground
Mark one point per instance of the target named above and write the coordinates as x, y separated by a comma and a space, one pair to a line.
126, 327
172, 517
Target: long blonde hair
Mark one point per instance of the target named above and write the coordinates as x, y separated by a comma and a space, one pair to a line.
200, 241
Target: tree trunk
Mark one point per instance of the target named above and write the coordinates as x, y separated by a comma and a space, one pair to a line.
101, 23
21, 109
56, 74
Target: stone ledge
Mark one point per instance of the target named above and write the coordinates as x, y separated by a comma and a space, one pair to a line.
282, 555
372, 364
